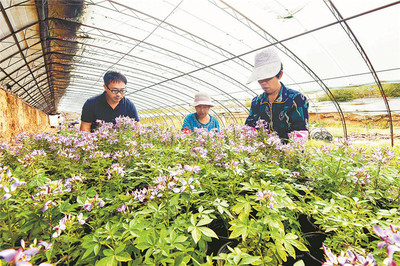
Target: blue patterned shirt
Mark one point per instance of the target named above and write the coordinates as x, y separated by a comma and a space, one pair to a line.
289, 112
191, 121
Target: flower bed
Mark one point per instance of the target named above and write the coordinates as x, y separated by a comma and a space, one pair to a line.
128, 195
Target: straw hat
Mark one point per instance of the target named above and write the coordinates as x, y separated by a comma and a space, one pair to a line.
202, 98
266, 65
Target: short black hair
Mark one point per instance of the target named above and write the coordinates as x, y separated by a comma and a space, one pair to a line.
112, 76
279, 73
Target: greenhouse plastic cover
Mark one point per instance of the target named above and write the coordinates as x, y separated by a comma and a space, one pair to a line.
54, 53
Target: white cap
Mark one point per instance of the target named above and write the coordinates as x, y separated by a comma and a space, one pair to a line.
266, 65
202, 98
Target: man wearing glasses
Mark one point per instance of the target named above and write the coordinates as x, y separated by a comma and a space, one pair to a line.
108, 105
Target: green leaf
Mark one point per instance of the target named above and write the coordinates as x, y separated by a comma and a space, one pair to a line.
239, 231
107, 261
89, 250
64, 206
178, 260
143, 245
120, 248
192, 220
242, 208
289, 249
174, 201
276, 224
204, 221
181, 238
108, 252
96, 249
87, 253
208, 232
299, 263
123, 256
281, 251
191, 228
252, 259
299, 245
196, 234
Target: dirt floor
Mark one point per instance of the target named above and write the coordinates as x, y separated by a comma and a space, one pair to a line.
361, 128
357, 119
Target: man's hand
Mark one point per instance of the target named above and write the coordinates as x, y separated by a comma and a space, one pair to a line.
85, 126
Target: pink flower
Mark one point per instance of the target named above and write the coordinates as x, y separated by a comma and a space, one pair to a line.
60, 227
80, 219
88, 206
47, 246
348, 258
20, 256
6, 196
123, 208
391, 239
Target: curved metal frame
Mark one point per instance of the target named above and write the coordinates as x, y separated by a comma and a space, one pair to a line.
279, 44
364, 55
46, 97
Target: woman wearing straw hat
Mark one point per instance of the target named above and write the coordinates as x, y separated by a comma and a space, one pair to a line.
200, 119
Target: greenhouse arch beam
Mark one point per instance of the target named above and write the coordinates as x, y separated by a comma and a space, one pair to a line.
279, 44
82, 85
42, 10
115, 51
17, 31
183, 33
108, 62
22, 3
364, 56
15, 82
13, 34
169, 53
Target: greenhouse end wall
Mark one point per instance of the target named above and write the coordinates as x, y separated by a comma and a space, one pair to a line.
16, 116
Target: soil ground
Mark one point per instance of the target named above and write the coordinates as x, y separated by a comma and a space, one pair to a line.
369, 129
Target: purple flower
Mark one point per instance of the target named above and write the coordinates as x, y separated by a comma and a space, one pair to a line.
6, 196
267, 195
46, 205
80, 219
391, 239
101, 203
123, 208
47, 246
88, 206
196, 169
348, 258
115, 169
19, 256
60, 227
360, 175
160, 179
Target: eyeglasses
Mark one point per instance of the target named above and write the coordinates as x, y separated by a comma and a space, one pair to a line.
116, 91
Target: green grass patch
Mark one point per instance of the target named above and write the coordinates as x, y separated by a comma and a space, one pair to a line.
363, 91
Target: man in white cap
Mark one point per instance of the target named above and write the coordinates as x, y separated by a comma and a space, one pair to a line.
284, 111
200, 119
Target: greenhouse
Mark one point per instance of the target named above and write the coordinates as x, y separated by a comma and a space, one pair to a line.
141, 190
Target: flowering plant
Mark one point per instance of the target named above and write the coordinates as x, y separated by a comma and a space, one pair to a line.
129, 194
